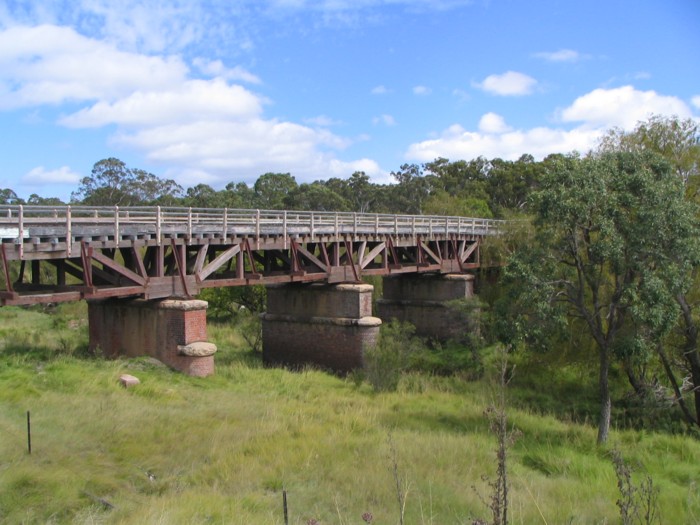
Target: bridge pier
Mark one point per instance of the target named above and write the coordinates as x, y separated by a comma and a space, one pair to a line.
328, 326
173, 331
424, 300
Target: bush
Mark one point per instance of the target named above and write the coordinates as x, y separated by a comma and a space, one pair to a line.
394, 353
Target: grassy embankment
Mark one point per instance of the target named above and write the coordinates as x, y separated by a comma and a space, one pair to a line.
221, 450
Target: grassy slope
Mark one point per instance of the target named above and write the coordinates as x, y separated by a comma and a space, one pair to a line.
220, 450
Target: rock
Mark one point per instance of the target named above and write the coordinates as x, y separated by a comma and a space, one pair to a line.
199, 349
127, 380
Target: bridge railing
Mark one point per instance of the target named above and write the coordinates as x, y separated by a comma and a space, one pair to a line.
20, 222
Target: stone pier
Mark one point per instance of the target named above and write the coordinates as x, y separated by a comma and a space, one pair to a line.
426, 301
173, 331
328, 326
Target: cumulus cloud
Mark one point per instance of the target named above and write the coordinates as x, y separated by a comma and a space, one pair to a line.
40, 175
594, 112
188, 101
508, 84
458, 143
216, 68
563, 55
696, 101
210, 129
51, 65
622, 107
493, 123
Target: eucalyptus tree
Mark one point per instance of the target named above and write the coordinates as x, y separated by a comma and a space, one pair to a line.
113, 183
678, 141
613, 243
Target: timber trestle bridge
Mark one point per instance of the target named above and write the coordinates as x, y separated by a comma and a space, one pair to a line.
71, 253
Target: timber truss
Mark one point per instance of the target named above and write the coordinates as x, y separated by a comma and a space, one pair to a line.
80, 254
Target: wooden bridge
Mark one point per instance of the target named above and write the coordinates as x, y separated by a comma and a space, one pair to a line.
77, 252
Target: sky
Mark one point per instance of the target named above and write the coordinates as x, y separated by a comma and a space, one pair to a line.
220, 91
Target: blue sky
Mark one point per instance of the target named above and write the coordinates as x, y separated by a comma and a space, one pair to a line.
216, 91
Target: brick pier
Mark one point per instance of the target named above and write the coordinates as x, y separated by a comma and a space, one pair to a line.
426, 301
173, 331
328, 326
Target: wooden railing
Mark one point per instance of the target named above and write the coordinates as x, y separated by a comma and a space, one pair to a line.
19, 222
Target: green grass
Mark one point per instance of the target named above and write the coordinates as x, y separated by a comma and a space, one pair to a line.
221, 450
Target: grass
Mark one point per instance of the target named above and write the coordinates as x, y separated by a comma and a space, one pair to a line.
221, 450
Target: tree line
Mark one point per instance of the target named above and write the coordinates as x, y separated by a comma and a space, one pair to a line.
478, 188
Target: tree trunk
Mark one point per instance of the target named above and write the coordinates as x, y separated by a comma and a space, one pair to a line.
604, 392
674, 383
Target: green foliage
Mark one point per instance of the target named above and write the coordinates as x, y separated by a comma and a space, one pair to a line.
394, 353
615, 239
112, 183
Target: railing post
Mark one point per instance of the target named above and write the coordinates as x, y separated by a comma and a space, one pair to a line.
376, 224
284, 228
447, 226
189, 225
337, 232
225, 233
354, 225
69, 232
313, 233
159, 219
20, 231
257, 229
116, 226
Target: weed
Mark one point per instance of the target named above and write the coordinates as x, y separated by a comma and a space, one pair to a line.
637, 504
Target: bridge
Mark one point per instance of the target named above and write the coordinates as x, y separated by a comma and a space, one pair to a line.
165, 256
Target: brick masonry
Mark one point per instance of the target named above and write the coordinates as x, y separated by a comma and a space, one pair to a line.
424, 301
327, 326
134, 328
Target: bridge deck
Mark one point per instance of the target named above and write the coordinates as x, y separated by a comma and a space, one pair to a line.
96, 252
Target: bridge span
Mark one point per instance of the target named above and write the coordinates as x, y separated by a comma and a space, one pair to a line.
77, 252
123, 260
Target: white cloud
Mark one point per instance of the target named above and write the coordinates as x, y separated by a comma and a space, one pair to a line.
51, 65
493, 123
563, 55
622, 107
190, 101
216, 68
40, 175
458, 143
379, 90
210, 129
387, 120
594, 112
696, 101
422, 90
510, 83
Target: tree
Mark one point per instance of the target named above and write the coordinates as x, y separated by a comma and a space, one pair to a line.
112, 183
8, 196
315, 197
613, 243
678, 141
271, 190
